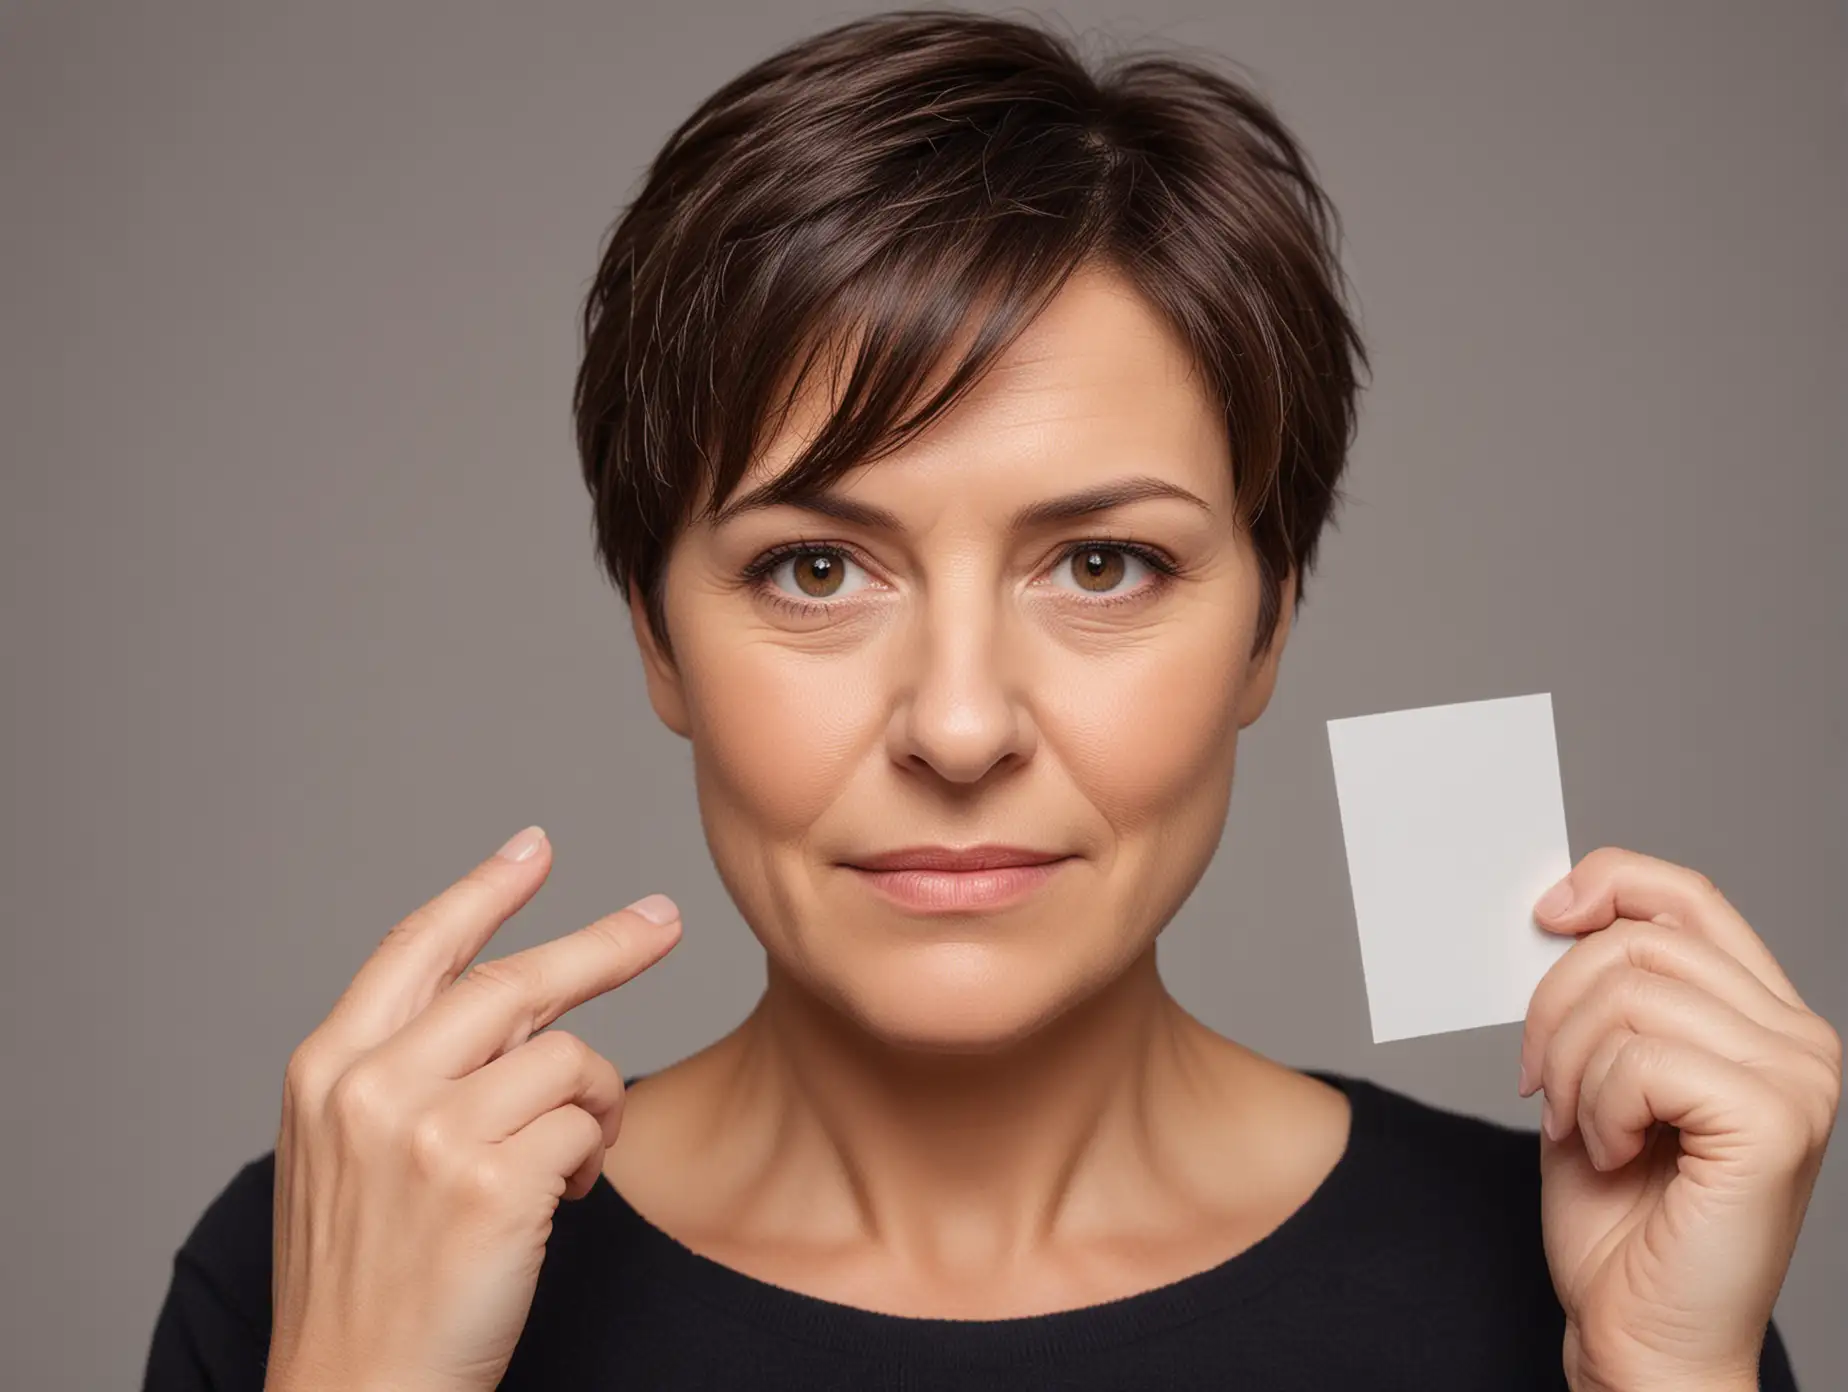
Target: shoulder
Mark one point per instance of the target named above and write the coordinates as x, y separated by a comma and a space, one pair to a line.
1429, 1237
1473, 1177
1429, 1147
1434, 1196
229, 1247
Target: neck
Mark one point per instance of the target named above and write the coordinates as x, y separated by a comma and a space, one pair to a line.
966, 1159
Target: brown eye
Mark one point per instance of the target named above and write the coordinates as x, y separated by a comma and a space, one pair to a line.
816, 574
1114, 572
1098, 568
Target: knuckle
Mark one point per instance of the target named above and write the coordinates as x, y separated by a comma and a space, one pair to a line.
1793, 1134
478, 890
310, 1073
616, 930
1830, 1040
1651, 946
1644, 939
1638, 1055
1631, 985
619, 1092
404, 929
1549, 1052
485, 1178
364, 1099
1604, 858
566, 1048
475, 896
432, 1144
588, 1127
1828, 1106
1820, 1087
502, 974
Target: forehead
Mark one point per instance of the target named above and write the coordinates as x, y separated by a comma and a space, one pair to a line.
1098, 381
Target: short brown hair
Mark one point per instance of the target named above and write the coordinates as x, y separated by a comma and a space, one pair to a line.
923, 177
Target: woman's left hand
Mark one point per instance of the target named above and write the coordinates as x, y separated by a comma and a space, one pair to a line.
1689, 1096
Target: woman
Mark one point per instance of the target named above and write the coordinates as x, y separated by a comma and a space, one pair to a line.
960, 428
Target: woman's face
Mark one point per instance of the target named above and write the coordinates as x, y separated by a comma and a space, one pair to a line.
978, 644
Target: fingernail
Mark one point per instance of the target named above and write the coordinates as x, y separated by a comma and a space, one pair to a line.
522, 844
1556, 900
656, 908
1525, 1081
1547, 1123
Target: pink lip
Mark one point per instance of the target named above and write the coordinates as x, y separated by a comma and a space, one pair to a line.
987, 856
941, 879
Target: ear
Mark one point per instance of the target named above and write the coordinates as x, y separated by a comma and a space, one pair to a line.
1261, 676
664, 689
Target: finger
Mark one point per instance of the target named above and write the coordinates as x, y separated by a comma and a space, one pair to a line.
1657, 947
1597, 1073
585, 1179
1611, 883
497, 1005
566, 1142
431, 946
1644, 1002
1726, 1113
548, 1071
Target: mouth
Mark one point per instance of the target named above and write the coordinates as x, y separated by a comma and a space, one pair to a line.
946, 879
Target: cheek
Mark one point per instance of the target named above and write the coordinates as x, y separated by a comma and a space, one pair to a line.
1152, 729
777, 735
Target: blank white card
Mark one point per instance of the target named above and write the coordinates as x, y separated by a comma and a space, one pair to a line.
1455, 824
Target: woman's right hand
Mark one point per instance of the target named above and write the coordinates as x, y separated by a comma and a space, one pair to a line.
429, 1130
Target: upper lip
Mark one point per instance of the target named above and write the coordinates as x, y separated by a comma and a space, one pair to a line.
985, 857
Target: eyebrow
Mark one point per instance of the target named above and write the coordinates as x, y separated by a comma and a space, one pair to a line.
1064, 508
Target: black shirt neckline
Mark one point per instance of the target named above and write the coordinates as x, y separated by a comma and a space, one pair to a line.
1301, 1242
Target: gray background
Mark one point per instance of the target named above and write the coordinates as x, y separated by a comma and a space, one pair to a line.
300, 615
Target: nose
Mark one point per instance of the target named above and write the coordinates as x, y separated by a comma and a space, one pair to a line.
960, 708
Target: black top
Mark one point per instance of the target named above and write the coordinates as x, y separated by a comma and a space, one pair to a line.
1417, 1264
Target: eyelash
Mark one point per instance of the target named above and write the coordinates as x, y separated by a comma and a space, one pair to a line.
757, 573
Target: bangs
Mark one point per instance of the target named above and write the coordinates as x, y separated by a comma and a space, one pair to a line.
892, 324
872, 216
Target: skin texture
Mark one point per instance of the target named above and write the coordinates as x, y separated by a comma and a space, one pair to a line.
1005, 1113
999, 1112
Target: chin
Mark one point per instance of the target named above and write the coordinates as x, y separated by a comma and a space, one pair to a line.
957, 998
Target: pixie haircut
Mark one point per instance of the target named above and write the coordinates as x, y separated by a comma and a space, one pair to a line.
873, 196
